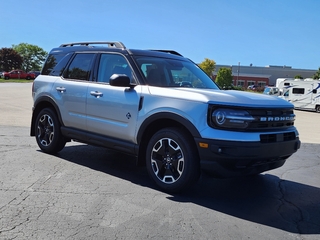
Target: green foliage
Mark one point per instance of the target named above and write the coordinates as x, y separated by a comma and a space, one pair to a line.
33, 56
317, 74
10, 59
238, 88
208, 66
224, 78
298, 77
15, 80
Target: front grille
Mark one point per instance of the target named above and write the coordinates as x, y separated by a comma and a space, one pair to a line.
259, 125
271, 118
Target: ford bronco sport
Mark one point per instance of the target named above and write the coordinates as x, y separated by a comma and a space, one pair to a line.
160, 107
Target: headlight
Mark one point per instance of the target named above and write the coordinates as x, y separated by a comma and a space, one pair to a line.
231, 118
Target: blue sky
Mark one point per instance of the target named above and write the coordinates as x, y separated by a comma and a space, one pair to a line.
257, 32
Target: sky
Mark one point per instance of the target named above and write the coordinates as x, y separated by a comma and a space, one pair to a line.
230, 32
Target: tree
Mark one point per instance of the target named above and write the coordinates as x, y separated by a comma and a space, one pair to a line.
224, 78
33, 56
317, 74
208, 66
298, 77
10, 59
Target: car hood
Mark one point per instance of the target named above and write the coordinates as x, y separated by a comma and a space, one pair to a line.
222, 97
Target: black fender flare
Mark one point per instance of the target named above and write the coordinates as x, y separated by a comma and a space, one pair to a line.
39, 104
170, 116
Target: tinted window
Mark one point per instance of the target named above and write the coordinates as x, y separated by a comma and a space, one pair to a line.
80, 67
298, 90
59, 68
51, 61
110, 64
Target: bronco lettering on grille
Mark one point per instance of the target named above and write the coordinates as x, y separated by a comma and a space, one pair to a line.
276, 119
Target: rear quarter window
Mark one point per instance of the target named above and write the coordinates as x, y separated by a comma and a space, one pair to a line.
59, 68
51, 62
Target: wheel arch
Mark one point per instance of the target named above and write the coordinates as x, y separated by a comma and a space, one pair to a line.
41, 103
159, 121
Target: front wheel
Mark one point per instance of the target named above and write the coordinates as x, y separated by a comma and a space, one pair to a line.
318, 108
172, 160
48, 134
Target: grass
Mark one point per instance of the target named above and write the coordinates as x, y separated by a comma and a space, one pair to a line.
15, 80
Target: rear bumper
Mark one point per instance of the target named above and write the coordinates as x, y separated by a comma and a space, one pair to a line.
233, 158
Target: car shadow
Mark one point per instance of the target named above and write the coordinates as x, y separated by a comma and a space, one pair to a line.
264, 199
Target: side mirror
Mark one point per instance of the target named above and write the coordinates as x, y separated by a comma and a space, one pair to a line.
120, 80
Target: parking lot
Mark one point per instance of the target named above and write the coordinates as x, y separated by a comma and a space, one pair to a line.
86, 192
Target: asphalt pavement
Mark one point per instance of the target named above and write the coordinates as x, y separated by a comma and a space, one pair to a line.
86, 192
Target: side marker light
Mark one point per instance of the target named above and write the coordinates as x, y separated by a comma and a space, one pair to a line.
203, 145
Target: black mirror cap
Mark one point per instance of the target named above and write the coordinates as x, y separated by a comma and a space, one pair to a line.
120, 80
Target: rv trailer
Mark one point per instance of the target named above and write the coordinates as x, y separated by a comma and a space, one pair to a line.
303, 94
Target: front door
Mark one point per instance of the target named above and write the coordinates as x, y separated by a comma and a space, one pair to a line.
112, 111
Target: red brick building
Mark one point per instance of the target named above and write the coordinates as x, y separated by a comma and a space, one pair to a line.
261, 76
246, 80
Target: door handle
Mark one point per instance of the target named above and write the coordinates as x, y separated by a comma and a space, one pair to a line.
61, 89
96, 94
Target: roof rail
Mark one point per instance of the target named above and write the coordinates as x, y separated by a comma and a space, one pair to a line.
167, 51
110, 44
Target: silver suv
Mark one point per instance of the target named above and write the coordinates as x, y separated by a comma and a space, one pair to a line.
160, 107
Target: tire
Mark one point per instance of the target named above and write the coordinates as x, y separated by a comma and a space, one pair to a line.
48, 134
6, 78
28, 78
172, 160
318, 108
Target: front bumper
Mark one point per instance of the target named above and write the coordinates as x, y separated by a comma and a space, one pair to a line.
234, 158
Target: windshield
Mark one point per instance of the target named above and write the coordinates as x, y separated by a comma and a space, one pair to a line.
266, 91
173, 73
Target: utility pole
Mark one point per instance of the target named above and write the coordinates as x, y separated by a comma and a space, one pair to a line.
238, 71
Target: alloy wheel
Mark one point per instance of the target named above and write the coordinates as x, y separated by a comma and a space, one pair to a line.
167, 160
45, 130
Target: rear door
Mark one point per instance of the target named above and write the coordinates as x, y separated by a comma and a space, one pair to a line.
112, 111
71, 89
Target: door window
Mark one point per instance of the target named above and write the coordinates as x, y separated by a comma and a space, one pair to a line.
110, 64
80, 67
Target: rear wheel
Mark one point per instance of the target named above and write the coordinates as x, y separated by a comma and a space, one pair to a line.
318, 108
48, 134
172, 160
